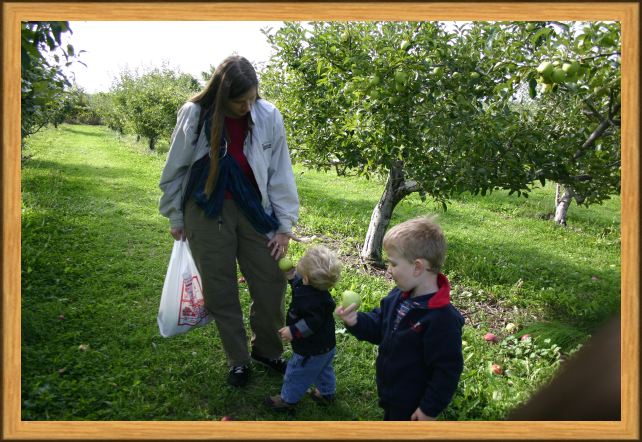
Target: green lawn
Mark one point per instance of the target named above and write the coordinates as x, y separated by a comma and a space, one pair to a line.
95, 251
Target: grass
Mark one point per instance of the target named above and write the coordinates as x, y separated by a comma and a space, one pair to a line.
95, 251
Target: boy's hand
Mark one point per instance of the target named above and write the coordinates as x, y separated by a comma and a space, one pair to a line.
347, 315
285, 334
290, 274
419, 415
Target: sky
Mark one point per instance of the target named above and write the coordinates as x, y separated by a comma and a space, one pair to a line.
189, 47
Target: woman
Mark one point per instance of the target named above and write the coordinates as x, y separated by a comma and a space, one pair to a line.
228, 187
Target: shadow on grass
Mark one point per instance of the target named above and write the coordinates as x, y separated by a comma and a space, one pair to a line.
570, 293
86, 131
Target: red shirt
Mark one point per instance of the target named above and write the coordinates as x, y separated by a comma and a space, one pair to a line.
236, 129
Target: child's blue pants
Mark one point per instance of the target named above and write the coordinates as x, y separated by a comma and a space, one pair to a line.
303, 371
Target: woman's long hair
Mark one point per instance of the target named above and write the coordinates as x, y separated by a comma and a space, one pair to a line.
231, 79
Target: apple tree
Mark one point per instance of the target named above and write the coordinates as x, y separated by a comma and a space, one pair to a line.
415, 102
565, 78
149, 101
43, 80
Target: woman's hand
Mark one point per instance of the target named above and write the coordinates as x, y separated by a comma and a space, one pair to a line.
278, 245
177, 233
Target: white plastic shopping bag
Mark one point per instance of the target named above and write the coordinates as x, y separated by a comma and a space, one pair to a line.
182, 305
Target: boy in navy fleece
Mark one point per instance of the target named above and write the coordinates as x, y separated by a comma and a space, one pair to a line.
310, 329
417, 329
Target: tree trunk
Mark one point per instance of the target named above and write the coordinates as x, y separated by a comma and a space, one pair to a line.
396, 189
562, 205
152, 143
558, 189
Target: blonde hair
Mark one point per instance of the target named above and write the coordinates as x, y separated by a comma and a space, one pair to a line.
418, 238
321, 266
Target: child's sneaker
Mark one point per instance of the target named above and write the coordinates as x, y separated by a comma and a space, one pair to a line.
321, 399
277, 403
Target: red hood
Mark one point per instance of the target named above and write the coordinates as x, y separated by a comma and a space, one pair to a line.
439, 299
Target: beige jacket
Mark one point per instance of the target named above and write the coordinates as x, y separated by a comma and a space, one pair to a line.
266, 152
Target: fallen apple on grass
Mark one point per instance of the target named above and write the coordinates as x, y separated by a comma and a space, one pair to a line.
525, 337
510, 327
491, 337
349, 297
496, 369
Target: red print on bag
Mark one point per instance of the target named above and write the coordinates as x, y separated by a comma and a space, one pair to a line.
192, 309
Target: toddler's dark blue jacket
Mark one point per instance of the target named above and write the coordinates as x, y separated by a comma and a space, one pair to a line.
420, 362
310, 319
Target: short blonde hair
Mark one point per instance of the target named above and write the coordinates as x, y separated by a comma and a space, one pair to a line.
418, 238
321, 266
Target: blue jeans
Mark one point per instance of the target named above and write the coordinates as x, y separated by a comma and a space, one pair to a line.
303, 371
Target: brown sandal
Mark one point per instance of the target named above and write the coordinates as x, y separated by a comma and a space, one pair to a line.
277, 403
321, 399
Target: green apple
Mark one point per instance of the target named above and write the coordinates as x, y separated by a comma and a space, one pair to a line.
394, 100
375, 80
545, 69
285, 264
474, 75
405, 45
349, 297
571, 68
558, 76
401, 77
437, 71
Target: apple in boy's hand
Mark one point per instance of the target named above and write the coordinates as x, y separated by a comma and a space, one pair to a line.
349, 297
285, 264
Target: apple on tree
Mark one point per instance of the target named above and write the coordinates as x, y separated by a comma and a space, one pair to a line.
545, 69
401, 77
571, 68
558, 75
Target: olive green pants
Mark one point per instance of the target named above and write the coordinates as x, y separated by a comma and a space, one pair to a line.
217, 244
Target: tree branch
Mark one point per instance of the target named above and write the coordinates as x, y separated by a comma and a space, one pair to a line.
600, 55
593, 111
597, 133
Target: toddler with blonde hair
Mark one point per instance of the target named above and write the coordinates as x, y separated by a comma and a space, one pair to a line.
310, 330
